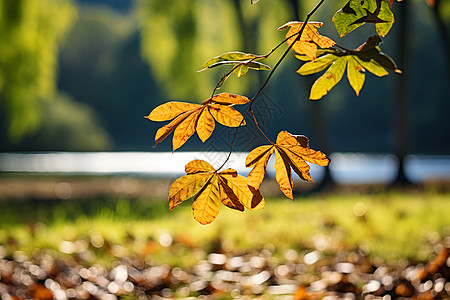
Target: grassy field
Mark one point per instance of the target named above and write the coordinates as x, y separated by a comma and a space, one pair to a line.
393, 244
391, 226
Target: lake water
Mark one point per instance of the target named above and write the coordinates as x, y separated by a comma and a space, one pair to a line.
346, 168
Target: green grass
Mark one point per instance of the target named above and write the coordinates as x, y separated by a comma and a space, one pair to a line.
392, 226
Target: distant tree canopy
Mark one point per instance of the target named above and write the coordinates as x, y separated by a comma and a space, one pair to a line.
31, 32
178, 36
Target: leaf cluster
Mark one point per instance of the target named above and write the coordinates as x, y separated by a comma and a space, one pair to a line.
212, 187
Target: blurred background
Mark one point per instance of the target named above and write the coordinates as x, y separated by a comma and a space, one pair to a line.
81, 76
83, 192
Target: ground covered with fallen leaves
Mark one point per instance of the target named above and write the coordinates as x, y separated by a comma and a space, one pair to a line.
327, 246
223, 274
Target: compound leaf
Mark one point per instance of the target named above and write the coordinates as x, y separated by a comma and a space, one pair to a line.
291, 151
211, 188
368, 57
191, 118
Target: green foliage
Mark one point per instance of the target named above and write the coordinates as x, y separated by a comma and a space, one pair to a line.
367, 57
356, 13
31, 32
178, 35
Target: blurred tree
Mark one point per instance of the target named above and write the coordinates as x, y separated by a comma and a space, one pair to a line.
179, 36
31, 32
101, 66
68, 126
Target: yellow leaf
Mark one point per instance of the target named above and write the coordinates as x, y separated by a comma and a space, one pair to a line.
355, 74
238, 189
228, 197
328, 80
226, 115
255, 155
309, 40
300, 148
205, 125
206, 205
198, 165
185, 129
164, 131
283, 174
298, 164
170, 110
227, 99
258, 159
186, 186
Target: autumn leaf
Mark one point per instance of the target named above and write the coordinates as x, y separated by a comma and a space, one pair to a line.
242, 62
309, 40
366, 57
211, 188
190, 118
356, 13
291, 152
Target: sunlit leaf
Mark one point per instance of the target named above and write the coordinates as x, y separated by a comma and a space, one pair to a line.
211, 188
164, 131
242, 62
328, 80
198, 165
283, 173
185, 130
309, 40
205, 125
257, 159
291, 151
368, 57
355, 74
186, 187
170, 110
317, 65
191, 118
206, 204
226, 115
356, 13
227, 99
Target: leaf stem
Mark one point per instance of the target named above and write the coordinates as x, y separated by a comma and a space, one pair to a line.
252, 101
